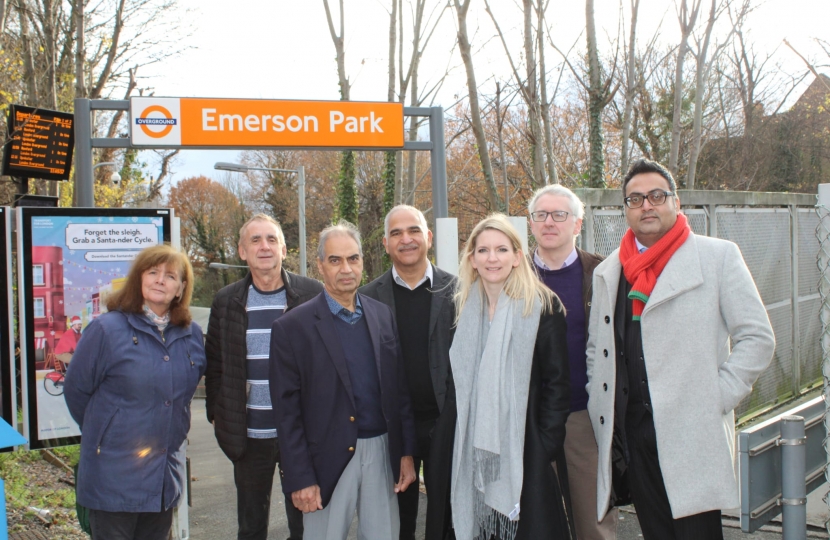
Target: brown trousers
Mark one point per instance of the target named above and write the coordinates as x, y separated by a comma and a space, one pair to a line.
581, 456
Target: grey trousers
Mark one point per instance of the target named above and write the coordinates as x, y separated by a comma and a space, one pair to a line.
367, 486
581, 456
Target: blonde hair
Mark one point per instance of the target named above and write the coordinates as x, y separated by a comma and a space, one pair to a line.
522, 283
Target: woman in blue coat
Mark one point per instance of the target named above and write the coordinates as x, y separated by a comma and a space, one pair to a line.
129, 387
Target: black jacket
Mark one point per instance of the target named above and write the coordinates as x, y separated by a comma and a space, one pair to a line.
226, 349
441, 321
545, 501
314, 398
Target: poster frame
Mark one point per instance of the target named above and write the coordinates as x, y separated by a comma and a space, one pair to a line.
8, 383
25, 277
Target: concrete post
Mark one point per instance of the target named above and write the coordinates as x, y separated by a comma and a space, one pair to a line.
793, 478
301, 189
712, 210
587, 235
521, 225
446, 244
175, 230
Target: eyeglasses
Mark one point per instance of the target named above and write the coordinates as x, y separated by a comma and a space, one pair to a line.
557, 215
656, 198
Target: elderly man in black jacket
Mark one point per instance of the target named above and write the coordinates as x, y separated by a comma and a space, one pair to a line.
420, 296
236, 379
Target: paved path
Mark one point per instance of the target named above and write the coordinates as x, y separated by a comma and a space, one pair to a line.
213, 514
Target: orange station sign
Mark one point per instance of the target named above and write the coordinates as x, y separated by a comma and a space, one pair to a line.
217, 123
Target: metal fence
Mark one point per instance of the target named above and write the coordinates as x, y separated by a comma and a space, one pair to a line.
776, 233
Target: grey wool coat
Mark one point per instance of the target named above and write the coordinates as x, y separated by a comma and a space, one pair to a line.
704, 298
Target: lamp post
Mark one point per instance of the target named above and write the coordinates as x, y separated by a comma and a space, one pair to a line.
300, 172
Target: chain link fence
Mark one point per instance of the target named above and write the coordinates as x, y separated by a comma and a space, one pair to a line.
776, 233
822, 234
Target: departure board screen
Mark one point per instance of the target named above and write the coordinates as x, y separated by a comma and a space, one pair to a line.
39, 143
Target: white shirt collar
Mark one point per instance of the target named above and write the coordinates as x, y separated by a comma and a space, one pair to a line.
541, 264
640, 247
400, 281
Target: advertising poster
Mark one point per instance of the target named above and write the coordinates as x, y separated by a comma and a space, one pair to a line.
69, 261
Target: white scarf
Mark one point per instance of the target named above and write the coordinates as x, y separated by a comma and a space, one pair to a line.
491, 369
160, 321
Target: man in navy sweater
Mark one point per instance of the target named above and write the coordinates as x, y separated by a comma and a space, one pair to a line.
555, 221
420, 295
339, 389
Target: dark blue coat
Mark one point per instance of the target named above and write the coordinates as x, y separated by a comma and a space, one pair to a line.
130, 393
312, 394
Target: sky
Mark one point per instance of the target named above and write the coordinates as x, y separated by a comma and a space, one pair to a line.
282, 49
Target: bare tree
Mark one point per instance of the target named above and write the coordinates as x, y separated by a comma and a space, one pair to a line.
391, 169
630, 86
108, 154
156, 183
528, 85
810, 66
687, 18
553, 176
703, 68
346, 187
461, 9
112, 52
600, 94
423, 27
501, 112
762, 89
80, 58
26, 39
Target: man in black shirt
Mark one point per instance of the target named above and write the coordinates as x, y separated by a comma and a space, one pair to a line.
420, 296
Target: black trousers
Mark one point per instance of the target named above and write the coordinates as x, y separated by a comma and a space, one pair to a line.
130, 525
254, 477
408, 500
649, 492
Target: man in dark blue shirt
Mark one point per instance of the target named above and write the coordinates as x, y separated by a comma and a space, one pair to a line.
342, 405
420, 294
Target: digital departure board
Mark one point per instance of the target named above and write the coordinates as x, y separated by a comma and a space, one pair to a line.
40, 143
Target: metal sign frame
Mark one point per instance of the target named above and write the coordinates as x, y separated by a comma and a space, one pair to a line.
84, 143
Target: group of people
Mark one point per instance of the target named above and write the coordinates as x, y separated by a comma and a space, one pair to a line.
534, 393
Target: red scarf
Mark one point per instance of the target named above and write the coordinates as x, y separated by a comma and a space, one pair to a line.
643, 269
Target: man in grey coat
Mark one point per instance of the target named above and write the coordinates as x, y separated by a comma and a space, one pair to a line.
663, 381
420, 296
